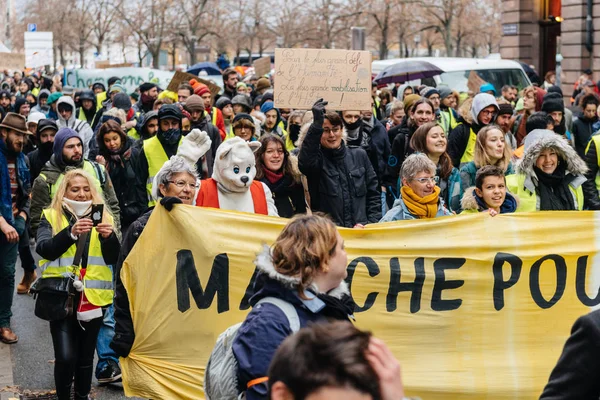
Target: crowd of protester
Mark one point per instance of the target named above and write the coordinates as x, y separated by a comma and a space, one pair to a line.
420, 152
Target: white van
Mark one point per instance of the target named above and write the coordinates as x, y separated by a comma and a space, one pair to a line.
457, 71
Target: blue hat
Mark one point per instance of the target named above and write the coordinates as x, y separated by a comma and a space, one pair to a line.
487, 87
60, 139
268, 106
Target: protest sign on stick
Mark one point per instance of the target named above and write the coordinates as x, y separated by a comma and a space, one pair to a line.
184, 77
341, 77
262, 66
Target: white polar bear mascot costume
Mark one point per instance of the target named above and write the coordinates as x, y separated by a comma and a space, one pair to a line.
232, 186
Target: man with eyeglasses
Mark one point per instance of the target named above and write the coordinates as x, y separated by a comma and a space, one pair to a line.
461, 145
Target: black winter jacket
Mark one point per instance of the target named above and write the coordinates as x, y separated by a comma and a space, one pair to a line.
288, 196
37, 159
582, 132
590, 192
577, 373
400, 150
341, 182
124, 333
374, 140
459, 140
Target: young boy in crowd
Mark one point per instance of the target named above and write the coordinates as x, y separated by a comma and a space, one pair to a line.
489, 193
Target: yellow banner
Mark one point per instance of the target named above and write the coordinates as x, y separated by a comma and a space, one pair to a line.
473, 306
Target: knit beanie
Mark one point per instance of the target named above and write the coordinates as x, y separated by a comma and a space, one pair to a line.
428, 91
242, 116
263, 83
117, 88
551, 105
199, 88
222, 102
487, 87
53, 97
60, 139
555, 89
505, 109
19, 102
266, 107
409, 101
144, 87
444, 92
122, 101
268, 96
194, 103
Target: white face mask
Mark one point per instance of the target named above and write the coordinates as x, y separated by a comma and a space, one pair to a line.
79, 208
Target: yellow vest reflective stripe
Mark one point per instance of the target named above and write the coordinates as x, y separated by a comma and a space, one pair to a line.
156, 157
596, 140
214, 116
98, 280
87, 167
528, 201
469, 154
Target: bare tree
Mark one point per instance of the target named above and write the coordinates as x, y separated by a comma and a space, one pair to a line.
104, 13
443, 13
82, 27
193, 23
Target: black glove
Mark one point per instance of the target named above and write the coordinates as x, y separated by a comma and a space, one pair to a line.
121, 346
318, 111
167, 202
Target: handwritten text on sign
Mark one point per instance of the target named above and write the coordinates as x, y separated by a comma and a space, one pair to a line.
342, 77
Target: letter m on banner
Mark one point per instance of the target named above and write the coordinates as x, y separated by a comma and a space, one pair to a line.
188, 281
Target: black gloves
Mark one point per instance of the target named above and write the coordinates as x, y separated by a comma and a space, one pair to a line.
318, 111
167, 202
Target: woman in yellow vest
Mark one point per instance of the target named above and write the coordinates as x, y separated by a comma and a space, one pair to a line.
66, 220
550, 175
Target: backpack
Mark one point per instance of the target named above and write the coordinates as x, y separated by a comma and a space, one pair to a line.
220, 377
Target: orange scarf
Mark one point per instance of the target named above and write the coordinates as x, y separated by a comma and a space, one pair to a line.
422, 207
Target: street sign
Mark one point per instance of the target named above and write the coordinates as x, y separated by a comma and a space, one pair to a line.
31, 27
510, 29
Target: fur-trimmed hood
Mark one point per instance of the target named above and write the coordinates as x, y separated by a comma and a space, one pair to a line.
264, 264
566, 154
469, 203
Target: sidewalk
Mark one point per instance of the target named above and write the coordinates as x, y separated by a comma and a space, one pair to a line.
6, 374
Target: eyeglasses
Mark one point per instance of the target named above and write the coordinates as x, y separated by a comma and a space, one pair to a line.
335, 129
423, 181
183, 184
487, 112
242, 127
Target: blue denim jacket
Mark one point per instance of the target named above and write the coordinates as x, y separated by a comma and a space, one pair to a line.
399, 211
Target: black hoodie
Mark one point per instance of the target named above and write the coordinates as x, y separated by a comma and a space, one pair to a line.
40, 156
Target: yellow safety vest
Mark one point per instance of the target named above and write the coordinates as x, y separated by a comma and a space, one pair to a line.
527, 200
98, 280
93, 169
156, 157
81, 115
214, 116
596, 140
100, 97
469, 154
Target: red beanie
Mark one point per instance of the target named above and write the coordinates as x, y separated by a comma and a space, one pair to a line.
199, 88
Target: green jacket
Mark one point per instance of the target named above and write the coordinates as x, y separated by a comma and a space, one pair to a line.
42, 187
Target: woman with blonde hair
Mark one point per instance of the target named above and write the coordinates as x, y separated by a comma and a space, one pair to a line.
300, 280
491, 148
67, 226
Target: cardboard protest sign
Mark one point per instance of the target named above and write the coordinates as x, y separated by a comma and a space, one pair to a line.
12, 61
474, 82
181, 77
474, 307
262, 66
342, 77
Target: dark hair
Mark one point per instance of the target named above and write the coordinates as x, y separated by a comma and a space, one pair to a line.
538, 120
422, 100
109, 126
507, 87
589, 99
418, 142
287, 167
334, 118
325, 355
187, 87
227, 72
484, 172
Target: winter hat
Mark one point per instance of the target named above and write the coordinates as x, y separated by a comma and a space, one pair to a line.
170, 111
505, 109
122, 101
35, 117
68, 90
242, 116
428, 91
53, 97
487, 87
4, 94
199, 88
144, 87
222, 103
268, 106
112, 80
60, 139
519, 106
45, 124
551, 105
555, 89
444, 92
243, 100
194, 103
268, 96
99, 85
117, 88
409, 101
241, 85
87, 95
134, 95
263, 83
19, 102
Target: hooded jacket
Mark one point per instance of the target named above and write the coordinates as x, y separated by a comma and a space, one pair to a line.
583, 130
142, 125
40, 192
83, 129
590, 189
524, 182
341, 182
40, 156
461, 135
470, 205
266, 326
38, 107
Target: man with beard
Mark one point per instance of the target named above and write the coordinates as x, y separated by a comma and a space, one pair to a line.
14, 212
67, 154
148, 94
368, 133
230, 81
201, 120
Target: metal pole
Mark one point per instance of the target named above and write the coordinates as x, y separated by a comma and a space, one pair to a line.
358, 38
